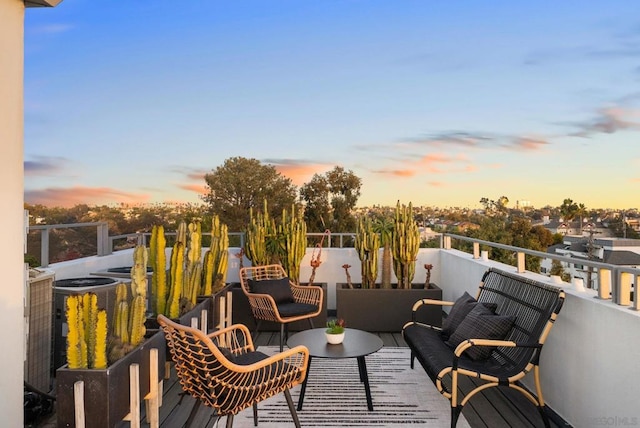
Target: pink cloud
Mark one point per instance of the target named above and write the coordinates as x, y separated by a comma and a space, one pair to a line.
528, 143
436, 184
300, 173
397, 172
69, 197
200, 189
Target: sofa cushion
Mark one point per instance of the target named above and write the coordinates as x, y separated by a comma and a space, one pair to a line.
459, 311
279, 289
287, 310
481, 323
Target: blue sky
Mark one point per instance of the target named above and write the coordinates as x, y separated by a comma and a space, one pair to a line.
434, 103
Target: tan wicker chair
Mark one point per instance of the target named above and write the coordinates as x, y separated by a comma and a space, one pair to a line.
307, 300
223, 371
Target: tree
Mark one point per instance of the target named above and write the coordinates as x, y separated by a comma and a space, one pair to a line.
330, 199
242, 183
568, 210
497, 207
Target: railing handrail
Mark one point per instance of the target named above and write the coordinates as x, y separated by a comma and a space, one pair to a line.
610, 275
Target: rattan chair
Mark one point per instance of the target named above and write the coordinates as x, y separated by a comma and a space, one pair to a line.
223, 371
305, 302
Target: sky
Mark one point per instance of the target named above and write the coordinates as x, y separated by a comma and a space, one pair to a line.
430, 102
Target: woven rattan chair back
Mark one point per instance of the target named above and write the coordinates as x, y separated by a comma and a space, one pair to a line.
214, 369
308, 299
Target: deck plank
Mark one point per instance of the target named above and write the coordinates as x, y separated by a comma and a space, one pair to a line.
494, 407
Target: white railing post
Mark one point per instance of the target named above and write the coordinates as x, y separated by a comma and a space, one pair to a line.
78, 403
522, 265
476, 250
446, 244
623, 296
604, 281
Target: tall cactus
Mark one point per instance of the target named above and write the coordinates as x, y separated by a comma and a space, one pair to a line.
172, 309
405, 242
193, 273
158, 262
216, 259
367, 245
87, 334
293, 231
139, 272
260, 237
128, 328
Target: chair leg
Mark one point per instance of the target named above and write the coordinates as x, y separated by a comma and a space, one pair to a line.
255, 414
255, 333
192, 415
311, 323
413, 357
281, 337
545, 417
229, 420
292, 408
455, 414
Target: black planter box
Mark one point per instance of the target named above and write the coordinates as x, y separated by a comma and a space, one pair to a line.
106, 392
242, 313
383, 309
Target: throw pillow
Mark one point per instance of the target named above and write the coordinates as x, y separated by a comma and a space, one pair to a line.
459, 311
279, 289
481, 323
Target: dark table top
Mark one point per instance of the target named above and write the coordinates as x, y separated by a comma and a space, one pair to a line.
357, 343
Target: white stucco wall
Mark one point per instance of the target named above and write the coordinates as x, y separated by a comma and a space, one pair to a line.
11, 214
589, 365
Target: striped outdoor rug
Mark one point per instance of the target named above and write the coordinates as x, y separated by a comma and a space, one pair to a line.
336, 398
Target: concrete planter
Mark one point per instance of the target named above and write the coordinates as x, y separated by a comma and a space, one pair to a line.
242, 313
106, 392
385, 310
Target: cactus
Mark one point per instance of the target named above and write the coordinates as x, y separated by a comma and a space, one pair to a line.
139, 272
260, 230
172, 309
216, 258
75, 335
367, 245
193, 277
136, 321
100, 361
405, 242
316, 256
87, 335
158, 261
293, 233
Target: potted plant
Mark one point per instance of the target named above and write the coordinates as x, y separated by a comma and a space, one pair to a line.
386, 309
335, 331
105, 373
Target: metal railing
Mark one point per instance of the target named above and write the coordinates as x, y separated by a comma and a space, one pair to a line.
103, 242
612, 281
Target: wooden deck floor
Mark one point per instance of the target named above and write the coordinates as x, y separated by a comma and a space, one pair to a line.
494, 408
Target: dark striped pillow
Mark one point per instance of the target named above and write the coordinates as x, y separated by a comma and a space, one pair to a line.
481, 323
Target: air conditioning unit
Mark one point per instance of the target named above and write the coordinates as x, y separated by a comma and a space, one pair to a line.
38, 328
104, 288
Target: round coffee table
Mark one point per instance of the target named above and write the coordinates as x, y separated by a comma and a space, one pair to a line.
357, 344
